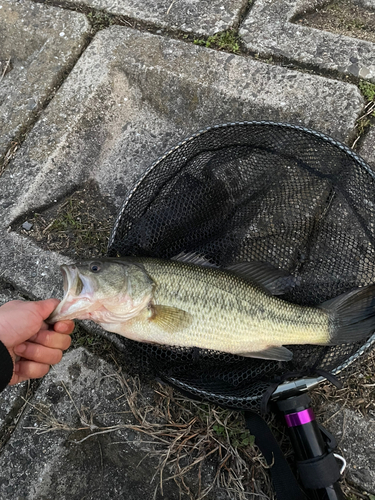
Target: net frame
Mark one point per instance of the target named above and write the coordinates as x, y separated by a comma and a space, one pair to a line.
210, 391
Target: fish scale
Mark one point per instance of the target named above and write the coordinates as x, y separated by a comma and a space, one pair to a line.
230, 314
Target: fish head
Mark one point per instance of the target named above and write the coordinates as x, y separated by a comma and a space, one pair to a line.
103, 290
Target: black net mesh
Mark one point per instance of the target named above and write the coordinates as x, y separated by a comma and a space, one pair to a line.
256, 191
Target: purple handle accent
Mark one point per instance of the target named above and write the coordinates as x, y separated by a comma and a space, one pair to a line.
300, 418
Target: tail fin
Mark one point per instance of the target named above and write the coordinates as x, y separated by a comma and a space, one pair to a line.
351, 315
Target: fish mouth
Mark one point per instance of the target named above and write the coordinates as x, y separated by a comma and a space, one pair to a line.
68, 277
74, 303
72, 281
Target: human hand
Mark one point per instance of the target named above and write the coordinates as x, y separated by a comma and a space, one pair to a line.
33, 344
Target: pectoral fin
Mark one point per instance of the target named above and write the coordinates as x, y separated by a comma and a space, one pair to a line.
170, 319
277, 353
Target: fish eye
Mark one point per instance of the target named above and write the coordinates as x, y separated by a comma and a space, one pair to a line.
94, 267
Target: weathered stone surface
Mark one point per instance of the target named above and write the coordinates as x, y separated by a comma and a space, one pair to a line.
367, 149
44, 460
11, 400
7, 293
40, 43
355, 437
369, 4
204, 17
269, 31
36, 272
130, 97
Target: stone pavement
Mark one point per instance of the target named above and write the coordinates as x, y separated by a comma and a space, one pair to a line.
81, 103
270, 31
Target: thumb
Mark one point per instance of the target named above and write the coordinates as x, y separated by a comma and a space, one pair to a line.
45, 307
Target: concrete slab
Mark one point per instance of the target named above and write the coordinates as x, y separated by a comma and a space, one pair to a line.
367, 149
269, 31
44, 458
205, 17
132, 95
369, 4
36, 271
355, 437
37, 45
7, 293
11, 400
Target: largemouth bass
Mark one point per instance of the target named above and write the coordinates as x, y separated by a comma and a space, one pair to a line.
184, 304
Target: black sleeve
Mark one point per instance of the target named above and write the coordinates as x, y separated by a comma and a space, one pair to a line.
6, 366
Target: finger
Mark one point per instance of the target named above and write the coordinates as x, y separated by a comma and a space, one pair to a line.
25, 370
52, 339
38, 353
65, 327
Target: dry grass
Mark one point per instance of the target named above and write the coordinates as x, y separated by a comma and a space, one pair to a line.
357, 393
78, 227
5, 67
13, 148
184, 435
196, 431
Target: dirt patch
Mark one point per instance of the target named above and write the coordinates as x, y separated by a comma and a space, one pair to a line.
358, 391
344, 18
79, 226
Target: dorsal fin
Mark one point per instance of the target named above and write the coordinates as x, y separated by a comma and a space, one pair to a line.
268, 278
265, 276
193, 258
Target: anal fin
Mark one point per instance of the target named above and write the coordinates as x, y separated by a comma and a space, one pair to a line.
277, 353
